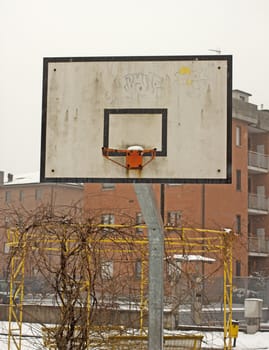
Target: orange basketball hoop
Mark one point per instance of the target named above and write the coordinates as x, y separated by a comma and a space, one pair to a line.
134, 156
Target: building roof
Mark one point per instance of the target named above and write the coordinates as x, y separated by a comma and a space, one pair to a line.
192, 258
28, 178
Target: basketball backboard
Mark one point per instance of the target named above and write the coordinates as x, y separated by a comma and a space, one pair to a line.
181, 106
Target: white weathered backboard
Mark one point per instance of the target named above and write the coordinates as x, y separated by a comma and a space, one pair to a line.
180, 105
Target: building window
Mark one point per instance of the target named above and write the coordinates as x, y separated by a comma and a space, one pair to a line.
34, 271
138, 269
238, 136
238, 224
38, 194
174, 218
7, 221
108, 186
238, 180
21, 196
238, 268
8, 196
107, 270
173, 269
6, 248
139, 221
107, 219
249, 185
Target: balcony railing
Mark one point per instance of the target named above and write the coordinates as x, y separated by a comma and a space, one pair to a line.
258, 160
258, 245
257, 202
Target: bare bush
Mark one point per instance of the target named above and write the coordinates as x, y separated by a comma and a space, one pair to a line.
94, 270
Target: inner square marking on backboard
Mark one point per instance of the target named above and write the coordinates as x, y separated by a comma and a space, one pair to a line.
158, 115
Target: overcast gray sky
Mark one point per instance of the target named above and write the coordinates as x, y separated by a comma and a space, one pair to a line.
33, 29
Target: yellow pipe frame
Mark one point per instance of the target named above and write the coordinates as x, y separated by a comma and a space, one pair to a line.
216, 241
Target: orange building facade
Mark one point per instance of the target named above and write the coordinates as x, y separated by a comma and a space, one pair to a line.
241, 206
25, 196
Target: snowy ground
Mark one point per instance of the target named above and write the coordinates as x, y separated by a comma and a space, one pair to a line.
33, 339
244, 341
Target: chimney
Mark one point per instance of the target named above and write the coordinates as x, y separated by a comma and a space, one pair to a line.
2, 174
9, 177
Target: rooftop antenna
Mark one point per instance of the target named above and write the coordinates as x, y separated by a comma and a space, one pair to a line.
218, 51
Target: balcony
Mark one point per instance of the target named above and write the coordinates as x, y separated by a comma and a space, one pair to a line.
257, 204
257, 163
258, 247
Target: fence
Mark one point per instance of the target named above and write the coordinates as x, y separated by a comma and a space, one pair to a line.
171, 342
105, 341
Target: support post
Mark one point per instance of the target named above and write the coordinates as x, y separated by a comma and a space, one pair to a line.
228, 289
153, 220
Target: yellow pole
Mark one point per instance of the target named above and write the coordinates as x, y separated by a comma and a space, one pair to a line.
88, 312
230, 259
224, 302
16, 279
88, 286
227, 290
142, 299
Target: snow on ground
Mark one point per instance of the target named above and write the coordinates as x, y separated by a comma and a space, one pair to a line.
32, 342
260, 340
33, 339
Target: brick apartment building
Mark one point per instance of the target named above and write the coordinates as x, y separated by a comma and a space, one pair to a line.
241, 206
24, 194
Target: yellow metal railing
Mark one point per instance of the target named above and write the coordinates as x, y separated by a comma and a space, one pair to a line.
186, 241
170, 342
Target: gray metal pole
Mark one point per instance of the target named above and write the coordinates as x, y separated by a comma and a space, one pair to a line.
153, 220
